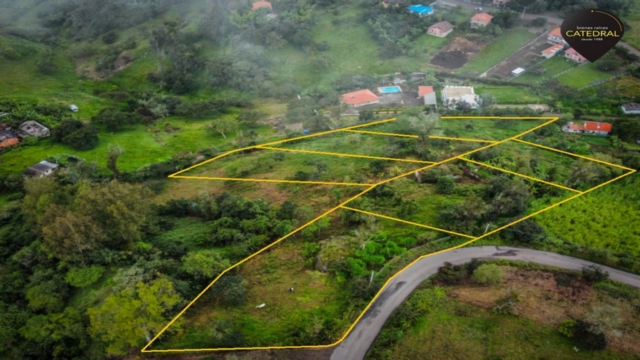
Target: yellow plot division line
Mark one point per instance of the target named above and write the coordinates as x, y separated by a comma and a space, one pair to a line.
576, 155
210, 160
144, 349
381, 133
457, 247
407, 222
500, 117
238, 264
461, 139
271, 181
521, 175
345, 155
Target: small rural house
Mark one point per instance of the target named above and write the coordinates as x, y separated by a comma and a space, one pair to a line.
500, 2
7, 138
393, 3
631, 108
41, 169
359, 98
421, 10
551, 51
35, 129
587, 127
555, 37
427, 94
573, 55
261, 4
73, 108
452, 96
480, 19
517, 71
440, 29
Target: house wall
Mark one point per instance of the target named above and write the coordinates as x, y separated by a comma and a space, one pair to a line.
478, 23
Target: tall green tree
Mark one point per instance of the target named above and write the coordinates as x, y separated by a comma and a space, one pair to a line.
223, 125
132, 316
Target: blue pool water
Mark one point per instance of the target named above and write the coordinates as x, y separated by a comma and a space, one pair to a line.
389, 89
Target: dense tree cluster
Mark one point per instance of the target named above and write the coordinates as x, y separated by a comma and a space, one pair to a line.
568, 6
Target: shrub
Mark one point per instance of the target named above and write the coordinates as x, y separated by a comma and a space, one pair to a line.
589, 336
83, 277
110, 37
488, 274
445, 185
46, 66
567, 328
594, 273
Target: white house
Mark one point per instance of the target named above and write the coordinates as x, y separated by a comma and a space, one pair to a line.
517, 71
73, 108
41, 169
428, 94
452, 96
631, 108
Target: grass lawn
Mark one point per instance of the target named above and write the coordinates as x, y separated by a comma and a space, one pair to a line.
508, 94
632, 32
502, 46
555, 65
583, 76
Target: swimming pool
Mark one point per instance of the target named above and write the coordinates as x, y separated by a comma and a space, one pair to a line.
389, 89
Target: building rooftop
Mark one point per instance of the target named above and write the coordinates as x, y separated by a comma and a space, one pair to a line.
458, 91
631, 107
553, 49
423, 90
556, 32
6, 134
359, 97
443, 26
572, 51
261, 4
483, 17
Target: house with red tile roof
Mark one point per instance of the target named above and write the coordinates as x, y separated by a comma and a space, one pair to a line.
555, 37
359, 98
440, 29
551, 51
588, 127
481, 19
427, 94
261, 4
7, 138
573, 55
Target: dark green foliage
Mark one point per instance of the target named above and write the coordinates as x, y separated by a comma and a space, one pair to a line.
250, 118
445, 185
365, 115
110, 37
114, 119
46, 66
229, 289
526, 231
539, 21
301, 176
589, 336
608, 64
452, 274
594, 273
408, 208
505, 19
76, 134
287, 210
564, 279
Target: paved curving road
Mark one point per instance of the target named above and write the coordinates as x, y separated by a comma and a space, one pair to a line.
356, 345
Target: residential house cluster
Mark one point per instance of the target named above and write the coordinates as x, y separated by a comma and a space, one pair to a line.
555, 38
10, 137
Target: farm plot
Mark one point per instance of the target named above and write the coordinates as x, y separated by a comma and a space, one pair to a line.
525, 58
456, 54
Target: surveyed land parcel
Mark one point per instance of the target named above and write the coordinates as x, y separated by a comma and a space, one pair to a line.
309, 168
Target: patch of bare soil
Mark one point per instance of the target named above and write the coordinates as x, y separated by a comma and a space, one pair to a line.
124, 60
546, 302
86, 69
457, 53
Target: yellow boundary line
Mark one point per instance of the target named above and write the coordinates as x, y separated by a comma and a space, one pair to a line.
343, 205
345, 155
407, 222
521, 175
271, 181
500, 117
576, 155
461, 139
381, 133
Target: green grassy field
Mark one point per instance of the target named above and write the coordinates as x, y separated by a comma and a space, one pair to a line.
555, 65
501, 47
508, 94
632, 18
605, 218
583, 76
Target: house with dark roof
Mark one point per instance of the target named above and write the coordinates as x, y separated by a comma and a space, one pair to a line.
427, 94
33, 128
480, 19
573, 55
440, 29
7, 138
631, 108
41, 169
359, 98
392, 3
588, 127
